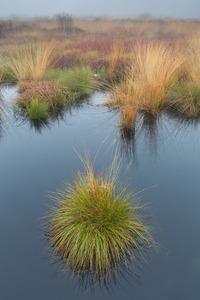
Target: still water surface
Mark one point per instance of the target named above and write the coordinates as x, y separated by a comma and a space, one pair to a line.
162, 157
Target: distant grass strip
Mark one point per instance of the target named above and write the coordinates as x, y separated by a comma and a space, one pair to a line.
95, 227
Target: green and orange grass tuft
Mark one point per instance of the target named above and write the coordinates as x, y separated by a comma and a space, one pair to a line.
31, 61
156, 67
78, 80
184, 98
96, 226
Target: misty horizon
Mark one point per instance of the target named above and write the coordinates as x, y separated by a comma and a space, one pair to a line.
184, 9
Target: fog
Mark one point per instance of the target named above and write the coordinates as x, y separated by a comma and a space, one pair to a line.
118, 8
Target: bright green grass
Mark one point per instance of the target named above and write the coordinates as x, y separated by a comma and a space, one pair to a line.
37, 110
95, 227
185, 98
79, 80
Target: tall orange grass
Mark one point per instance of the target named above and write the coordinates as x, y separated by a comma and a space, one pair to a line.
156, 66
115, 56
32, 61
193, 60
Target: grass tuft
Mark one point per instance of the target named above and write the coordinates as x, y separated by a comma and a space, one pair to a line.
30, 62
116, 55
78, 80
95, 227
37, 110
185, 98
155, 68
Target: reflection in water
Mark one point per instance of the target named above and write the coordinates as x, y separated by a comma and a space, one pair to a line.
39, 125
1, 121
128, 143
150, 130
86, 282
182, 118
21, 116
3, 118
8, 93
147, 125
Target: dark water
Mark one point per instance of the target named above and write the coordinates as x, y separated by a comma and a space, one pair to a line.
162, 157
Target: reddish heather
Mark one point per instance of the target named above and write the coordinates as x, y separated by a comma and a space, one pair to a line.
44, 90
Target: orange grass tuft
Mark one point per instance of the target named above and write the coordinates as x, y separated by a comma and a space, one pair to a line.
156, 67
32, 61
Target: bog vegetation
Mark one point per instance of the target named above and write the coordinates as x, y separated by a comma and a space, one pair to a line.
96, 226
148, 65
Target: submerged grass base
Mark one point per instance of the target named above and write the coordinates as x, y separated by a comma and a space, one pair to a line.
95, 228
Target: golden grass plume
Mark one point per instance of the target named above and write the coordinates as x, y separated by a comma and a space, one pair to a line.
31, 61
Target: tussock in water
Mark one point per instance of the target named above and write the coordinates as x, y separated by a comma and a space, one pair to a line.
95, 227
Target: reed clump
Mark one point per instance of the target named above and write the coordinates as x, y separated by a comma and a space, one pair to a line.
31, 61
156, 67
95, 227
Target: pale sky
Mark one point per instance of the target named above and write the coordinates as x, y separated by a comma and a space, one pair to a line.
126, 8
